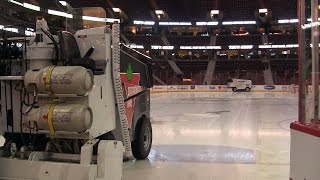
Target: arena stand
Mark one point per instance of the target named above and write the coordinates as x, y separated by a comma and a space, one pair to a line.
229, 63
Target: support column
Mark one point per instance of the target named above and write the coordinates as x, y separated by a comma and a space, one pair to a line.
302, 61
315, 59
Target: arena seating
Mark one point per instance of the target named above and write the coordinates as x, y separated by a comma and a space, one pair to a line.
79, 4
284, 9
194, 65
239, 40
284, 72
182, 10
145, 40
189, 40
283, 39
161, 65
137, 9
238, 9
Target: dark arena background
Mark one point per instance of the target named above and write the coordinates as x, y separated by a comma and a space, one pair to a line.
194, 43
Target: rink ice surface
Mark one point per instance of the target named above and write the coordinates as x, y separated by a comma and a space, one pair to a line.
218, 136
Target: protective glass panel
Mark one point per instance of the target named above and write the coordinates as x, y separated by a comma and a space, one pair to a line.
308, 61
85, 18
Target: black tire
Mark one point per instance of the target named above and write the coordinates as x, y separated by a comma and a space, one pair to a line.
234, 89
142, 143
248, 89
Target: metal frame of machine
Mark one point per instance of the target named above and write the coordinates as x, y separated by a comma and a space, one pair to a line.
63, 108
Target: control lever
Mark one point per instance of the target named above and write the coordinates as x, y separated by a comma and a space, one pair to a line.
89, 52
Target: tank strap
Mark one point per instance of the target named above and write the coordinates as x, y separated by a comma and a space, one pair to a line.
50, 117
47, 82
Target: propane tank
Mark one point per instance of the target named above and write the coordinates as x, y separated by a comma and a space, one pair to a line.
59, 80
63, 117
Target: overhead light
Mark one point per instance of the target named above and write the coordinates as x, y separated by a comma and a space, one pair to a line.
275, 46
279, 46
309, 19
214, 23
15, 30
30, 29
265, 46
213, 47
241, 47
246, 46
91, 18
144, 22
159, 12
199, 47
175, 23
213, 12
311, 45
111, 20
59, 13
16, 2
238, 22
162, 47
133, 46
29, 33
263, 10
310, 25
287, 21
31, 6
117, 10
292, 45
97, 19
63, 3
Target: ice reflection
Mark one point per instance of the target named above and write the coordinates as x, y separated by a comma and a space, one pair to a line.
200, 153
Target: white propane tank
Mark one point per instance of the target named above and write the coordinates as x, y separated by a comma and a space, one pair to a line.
59, 80
64, 117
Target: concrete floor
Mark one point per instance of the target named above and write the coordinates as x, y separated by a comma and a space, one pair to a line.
218, 136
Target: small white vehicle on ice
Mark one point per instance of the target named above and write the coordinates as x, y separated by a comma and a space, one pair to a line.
240, 84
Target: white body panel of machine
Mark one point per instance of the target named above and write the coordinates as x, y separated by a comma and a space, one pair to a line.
101, 97
103, 107
100, 39
240, 84
41, 53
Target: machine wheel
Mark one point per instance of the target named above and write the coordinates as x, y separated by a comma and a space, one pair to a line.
248, 89
234, 89
141, 146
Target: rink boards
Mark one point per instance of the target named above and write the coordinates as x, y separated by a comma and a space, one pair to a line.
223, 88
